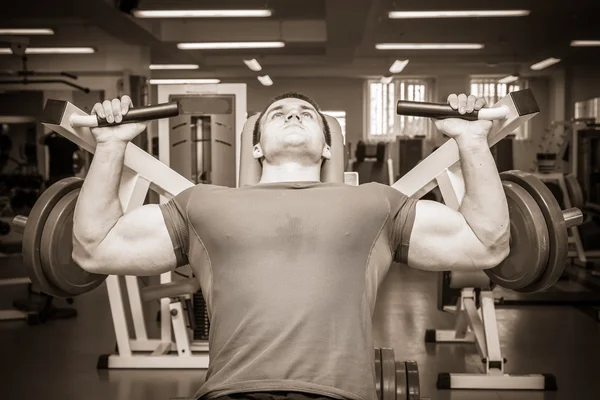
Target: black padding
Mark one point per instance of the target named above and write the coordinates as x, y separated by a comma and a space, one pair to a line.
430, 336
361, 151
443, 381
102, 361
53, 112
550, 382
380, 154
524, 102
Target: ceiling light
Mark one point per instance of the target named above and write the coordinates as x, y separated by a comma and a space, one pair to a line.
201, 13
386, 80
229, 45
508, 79
27, 31
545, 63
428, 46
585, 43
59, 50
253, 65
457, 14
398, 66
5, 50
181, 81
265, 80
174, 66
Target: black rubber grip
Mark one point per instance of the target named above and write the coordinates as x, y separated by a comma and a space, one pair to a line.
431, 110
145, 113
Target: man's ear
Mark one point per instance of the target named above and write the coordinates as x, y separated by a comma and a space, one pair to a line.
257, 151
326, 152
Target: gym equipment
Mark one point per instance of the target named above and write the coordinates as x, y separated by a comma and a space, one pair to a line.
529, 241
396, 380
47, 232
55, 111
476, 323
371, 165
530, 202
575, 191
442, 168
557, 222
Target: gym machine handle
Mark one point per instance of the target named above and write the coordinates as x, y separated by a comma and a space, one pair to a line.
441, 111
139, 114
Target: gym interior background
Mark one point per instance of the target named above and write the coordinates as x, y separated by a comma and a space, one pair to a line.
335, 52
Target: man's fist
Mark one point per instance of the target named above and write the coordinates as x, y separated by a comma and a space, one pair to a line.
458, 127
113, 112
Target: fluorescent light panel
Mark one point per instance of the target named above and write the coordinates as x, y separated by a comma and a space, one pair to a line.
585, 43
545, 63
174, 66
26, 31
386, 80
229, 45
52, 50
509, 79
253, 65
201, 13
182, 81
428, 46
265, 80
457, 14
398, 66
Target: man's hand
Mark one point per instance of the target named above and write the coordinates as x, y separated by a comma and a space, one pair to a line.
113, 112
462, 130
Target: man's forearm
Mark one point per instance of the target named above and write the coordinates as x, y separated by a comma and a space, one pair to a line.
98, 207
484, 205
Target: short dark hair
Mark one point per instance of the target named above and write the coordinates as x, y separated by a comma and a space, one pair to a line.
256, 132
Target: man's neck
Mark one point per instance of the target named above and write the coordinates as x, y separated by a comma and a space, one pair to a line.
290, 172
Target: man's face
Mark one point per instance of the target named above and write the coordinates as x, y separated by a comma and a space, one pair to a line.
291, 130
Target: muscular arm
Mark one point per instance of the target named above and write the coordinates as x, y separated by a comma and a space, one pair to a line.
106, 241
474, 237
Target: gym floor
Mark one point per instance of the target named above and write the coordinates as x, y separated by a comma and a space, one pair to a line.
57, 360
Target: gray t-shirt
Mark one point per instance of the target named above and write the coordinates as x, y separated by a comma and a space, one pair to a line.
290, 273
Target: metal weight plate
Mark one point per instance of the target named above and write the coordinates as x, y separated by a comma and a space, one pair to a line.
412, 379
388, 374
575, 191
57, 247
378, 373
559, 241
401, 383
32, 233
529, 241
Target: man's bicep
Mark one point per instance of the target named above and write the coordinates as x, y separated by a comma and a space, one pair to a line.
442, 240
138, 244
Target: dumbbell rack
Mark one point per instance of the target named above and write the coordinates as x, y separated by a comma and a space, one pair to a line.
173, 349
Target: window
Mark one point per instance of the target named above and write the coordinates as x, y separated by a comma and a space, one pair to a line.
382, 121
341, 118
493, 91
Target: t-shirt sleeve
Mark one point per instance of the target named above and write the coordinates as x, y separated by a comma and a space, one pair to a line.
402, 218
175, 213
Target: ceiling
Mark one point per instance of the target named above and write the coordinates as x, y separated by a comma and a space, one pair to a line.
322, 37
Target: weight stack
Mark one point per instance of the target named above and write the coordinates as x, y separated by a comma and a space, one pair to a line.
202, 323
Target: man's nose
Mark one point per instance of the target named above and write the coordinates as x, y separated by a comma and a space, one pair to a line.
293, 114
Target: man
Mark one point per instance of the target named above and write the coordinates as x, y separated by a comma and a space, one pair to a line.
290, 267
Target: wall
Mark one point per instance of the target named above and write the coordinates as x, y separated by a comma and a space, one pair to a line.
583, 83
